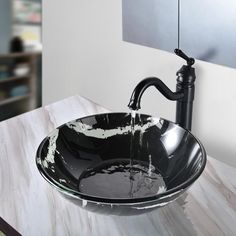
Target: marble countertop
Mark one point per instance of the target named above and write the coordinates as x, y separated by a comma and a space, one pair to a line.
33, 207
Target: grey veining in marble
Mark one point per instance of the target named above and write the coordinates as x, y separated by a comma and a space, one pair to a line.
33, 207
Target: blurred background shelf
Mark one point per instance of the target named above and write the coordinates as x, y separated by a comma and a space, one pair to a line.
14, 78
20, 56
20, 83
14, 99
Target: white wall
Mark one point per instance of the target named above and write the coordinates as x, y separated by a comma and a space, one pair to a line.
84, 53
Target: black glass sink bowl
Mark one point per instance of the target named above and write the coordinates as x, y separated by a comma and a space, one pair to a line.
88, 161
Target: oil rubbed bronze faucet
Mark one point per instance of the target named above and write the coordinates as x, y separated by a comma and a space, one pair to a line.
184, 94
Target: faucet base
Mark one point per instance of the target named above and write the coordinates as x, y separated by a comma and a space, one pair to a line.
184, 107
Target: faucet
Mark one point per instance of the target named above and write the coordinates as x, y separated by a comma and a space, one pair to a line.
184, 94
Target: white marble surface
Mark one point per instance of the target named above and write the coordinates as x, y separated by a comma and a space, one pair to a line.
33, 207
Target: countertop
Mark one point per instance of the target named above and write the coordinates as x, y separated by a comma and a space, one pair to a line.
33, 207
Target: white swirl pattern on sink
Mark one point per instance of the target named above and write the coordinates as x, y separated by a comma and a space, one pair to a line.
51, 148
90, 131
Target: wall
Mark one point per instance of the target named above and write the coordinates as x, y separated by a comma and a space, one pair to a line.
84, 53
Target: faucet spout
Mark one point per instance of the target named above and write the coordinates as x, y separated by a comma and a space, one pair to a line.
135, 99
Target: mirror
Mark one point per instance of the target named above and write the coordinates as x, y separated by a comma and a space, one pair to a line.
207, 27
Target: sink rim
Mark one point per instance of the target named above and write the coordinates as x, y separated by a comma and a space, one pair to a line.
81, 196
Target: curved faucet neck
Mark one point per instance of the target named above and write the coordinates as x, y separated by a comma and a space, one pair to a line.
135, 99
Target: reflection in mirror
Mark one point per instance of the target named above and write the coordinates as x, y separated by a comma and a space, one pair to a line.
20, 56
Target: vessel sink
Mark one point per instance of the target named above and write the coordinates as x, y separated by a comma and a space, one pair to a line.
100, 164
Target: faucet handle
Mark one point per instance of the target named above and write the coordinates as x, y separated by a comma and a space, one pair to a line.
190, 61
